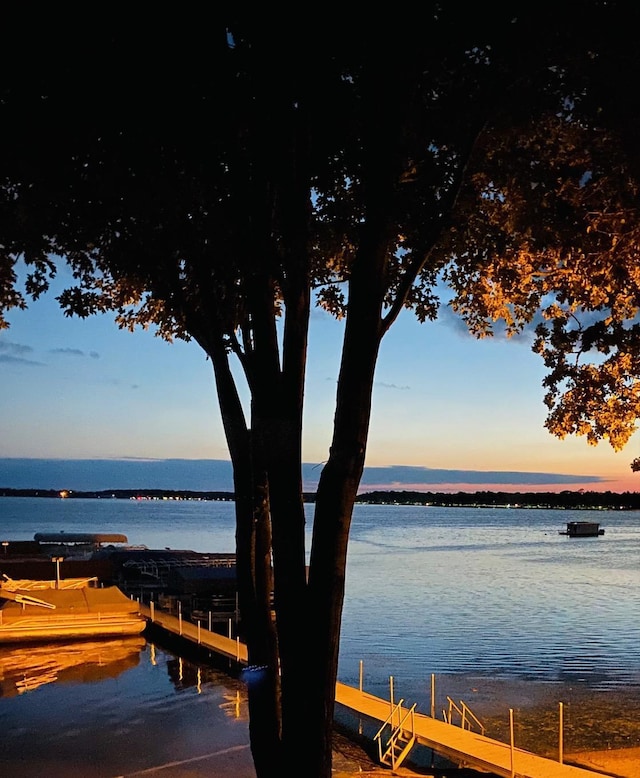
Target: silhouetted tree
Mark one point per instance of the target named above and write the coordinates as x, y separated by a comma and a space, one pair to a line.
216, 177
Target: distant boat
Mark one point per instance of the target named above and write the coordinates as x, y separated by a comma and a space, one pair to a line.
65, 609
79, 545
582, 529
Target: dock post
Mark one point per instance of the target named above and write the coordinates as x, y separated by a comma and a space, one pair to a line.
198, 631
391, 692
209, 621
561, 735
512, 742
57, 560
152, 608
360, 685
433, 695
433, 715
230, 632
180, 615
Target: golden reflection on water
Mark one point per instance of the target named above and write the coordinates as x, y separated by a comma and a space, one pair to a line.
24, 668
235, 705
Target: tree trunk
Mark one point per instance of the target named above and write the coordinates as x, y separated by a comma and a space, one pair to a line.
340, 478
277, 426
253, 571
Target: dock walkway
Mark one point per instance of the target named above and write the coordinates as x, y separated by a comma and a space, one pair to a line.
460, 746
196, 633
463, 747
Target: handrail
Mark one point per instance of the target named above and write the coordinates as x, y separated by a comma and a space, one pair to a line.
473, 716
388, 720
410, 712
452, 706
465, 714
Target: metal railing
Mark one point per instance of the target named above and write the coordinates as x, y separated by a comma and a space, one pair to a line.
467, 717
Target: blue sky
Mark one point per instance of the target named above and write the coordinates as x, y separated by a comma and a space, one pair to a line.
443, 401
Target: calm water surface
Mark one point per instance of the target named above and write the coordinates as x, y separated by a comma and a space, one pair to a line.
490, 602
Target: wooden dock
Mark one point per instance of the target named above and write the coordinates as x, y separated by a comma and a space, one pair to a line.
460, 746
463, 747
196, 633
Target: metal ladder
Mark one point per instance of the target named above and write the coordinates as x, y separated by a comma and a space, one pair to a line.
399, 730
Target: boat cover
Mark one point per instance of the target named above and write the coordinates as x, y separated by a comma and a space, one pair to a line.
79, 537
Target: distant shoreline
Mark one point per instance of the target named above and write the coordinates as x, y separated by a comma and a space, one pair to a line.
565, 500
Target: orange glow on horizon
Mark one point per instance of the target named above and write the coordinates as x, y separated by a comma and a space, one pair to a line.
619, 486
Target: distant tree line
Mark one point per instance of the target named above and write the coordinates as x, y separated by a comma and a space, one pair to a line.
580, 500
119, 494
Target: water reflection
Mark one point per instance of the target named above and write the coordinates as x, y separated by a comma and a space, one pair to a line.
235, 705
25, 668
186, 675
118, 707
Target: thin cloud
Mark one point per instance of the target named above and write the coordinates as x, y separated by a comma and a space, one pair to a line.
74, 352
69, 352
9, 359
16, 349
403, 475
392, 386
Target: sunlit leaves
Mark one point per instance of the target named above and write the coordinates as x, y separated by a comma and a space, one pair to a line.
556, 229
600, 402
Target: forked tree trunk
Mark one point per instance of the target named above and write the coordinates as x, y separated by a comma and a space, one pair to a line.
308, 614
254, 573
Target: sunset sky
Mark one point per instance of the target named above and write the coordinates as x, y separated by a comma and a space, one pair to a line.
443, 401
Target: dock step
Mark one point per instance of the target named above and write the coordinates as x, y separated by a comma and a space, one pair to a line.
398, 735
398, 748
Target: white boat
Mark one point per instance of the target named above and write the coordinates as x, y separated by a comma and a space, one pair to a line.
65, 609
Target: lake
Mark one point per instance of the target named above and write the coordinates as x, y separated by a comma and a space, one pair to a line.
492, 605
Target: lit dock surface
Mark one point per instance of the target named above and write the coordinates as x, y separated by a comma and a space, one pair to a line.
228, 647
460, 746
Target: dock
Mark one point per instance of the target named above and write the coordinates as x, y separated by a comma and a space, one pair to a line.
460, 746
196, 633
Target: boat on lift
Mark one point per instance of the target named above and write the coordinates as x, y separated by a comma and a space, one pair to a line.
65, 609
